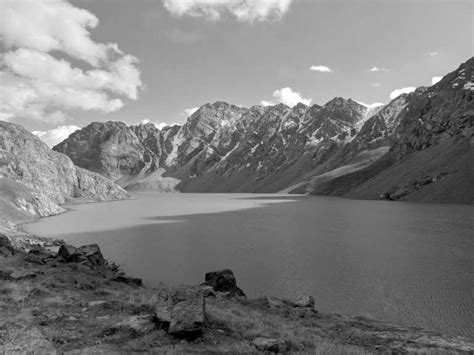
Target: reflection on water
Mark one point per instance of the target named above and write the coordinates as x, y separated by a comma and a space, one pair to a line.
407, 263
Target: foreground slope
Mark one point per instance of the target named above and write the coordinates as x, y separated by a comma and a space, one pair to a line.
51, 305
34, 180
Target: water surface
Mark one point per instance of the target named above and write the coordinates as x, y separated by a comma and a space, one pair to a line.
406, 263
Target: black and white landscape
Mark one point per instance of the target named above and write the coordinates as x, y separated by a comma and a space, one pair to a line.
243, 225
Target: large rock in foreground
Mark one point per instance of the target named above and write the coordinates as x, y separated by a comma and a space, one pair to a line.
34, 180
223, 281
6, 248
89, 254
182, 312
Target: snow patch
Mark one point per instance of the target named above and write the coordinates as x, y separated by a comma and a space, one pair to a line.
254, 148
178, 139
469, 86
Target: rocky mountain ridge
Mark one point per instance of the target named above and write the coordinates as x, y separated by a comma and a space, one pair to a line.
34, 180
227, 148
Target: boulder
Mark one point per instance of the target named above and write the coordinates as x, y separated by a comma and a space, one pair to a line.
6, 247
182, 312
134, 281
67, 252
87, 254
223, 281
270, 345
306, 302
301, 308
274, 302
93, 254
34, 258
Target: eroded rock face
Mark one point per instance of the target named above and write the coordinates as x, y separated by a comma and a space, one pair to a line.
35, 180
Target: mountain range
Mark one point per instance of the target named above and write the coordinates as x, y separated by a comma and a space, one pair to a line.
418, 147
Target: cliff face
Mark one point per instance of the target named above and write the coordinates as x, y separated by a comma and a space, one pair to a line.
35, 180
315, 149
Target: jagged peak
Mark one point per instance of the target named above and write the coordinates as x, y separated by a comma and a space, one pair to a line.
106, 124
300, 106
340, 101
316, 107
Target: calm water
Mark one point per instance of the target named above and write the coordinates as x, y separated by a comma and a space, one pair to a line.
407, 263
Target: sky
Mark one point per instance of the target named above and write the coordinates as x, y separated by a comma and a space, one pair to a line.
66, 63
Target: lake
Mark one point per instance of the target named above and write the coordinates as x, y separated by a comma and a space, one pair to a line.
407, 263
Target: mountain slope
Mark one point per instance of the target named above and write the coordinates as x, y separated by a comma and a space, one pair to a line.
35, 180
431, 148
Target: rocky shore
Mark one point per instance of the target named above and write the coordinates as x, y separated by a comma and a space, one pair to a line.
55, 298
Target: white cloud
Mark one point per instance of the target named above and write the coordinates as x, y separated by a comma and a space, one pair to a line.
435, 79
370, 106
431, 54
320, 68
242, 10
398, 92
37, 85
376, 85
266, 103
56, 135
159, 125
377, 69
189, 111
286, 96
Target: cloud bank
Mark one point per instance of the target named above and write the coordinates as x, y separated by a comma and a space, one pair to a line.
189, 111
242, 10
377, 69
56, 135
37, 85
159, 125
321, 68
371, 106
435, 79
398, 92
286, 96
